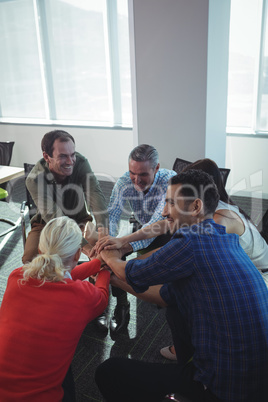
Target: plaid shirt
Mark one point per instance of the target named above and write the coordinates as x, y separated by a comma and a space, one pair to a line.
147, 208
224, 301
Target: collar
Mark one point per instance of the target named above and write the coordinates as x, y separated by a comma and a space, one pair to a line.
67, 275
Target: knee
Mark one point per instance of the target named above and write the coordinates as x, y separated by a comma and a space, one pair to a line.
105, 370
29, 254
106, 377
171, 313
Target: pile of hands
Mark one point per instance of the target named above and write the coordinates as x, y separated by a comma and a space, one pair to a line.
106, 243
105, 247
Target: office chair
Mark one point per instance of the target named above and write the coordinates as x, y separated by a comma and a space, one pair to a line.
180, 164
29, 203
6, 149
263, 226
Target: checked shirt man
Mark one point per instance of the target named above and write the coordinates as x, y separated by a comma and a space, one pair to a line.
218, 304
144, 187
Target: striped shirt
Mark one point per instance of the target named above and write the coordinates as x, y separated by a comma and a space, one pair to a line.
147, 208
224, 300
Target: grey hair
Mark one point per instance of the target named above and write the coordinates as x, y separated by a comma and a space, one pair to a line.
144, 153
59, 241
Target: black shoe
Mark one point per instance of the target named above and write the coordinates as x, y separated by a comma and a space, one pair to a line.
101, 322
120, 319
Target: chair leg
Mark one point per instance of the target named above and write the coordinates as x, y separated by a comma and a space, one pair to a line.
23, 224
13, 224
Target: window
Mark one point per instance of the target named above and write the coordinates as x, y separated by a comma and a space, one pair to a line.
65, 60
247, 109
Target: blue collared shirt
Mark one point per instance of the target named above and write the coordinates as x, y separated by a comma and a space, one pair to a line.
147, 208
224, 300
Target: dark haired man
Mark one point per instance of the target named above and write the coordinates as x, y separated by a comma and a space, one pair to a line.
144, 187
215, 293
62, 183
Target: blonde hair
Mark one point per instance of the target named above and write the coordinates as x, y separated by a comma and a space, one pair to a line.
59, 241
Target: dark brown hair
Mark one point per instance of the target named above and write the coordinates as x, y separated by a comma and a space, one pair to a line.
48, 140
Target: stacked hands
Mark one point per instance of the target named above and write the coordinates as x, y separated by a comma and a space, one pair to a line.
106, 242
105, 249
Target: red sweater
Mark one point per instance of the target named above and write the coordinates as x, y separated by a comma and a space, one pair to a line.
40, 327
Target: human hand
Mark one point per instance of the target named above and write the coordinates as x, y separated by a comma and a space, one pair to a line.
107, 255
90, 233
109, 243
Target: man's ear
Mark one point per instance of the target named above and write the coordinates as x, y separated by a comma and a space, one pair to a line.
45, 156
157, 167
197, 207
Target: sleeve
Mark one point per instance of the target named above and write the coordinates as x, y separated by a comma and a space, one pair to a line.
164, 177
86, 269
94, 197
42, 194
116, 206
157, 216
173, 261
96, 296
167, 294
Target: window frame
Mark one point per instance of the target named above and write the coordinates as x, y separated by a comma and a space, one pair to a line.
255, 131
112, 66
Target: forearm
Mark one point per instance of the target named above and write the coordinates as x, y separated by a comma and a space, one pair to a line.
86, 269
147, 232
152, 295
113, 260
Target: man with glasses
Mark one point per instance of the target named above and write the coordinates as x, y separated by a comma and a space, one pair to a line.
62, 183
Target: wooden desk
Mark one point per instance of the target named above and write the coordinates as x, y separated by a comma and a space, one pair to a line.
9, 172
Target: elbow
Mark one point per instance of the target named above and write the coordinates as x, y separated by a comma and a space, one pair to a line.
121, 275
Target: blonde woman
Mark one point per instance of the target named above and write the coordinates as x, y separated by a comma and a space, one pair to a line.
45, 308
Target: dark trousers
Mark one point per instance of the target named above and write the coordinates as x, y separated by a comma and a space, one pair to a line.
69, 387
180, 335
122, 379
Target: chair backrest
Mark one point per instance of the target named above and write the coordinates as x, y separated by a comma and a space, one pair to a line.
6, 149
181, 164
29, 201
263, 226
224, 175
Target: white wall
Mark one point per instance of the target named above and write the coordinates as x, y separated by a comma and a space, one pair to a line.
217, 80
107, 150
169, 45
